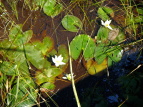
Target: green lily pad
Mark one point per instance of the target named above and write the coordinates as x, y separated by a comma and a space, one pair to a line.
17, 29
11, 51
62, 50
114, 55
100, 53
72, 23
27, 35
108, 10
17, 56
93, 67
102, 35
47, 75
83, 43
102, 14
48, 85
52, 8
41, 77
52, 72
7, 68
45, 46
40, 3
17, 37
34, 56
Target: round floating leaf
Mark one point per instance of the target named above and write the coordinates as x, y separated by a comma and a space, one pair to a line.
120, 37
72, 23
83, 43
102, 35
100, 53
41, 77
52, 8
108, 10
27, 35
16, 55
93, 67
46, 46
14, 31
40, 3
76, 47
47, 75
52, 72
62, 50
8, 69
48, 85
34, 56
114, 55
18, 37
12, 52
102, 14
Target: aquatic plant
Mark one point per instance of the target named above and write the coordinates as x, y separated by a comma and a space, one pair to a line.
31, 66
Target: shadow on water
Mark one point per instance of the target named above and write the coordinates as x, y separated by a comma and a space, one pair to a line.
103, 91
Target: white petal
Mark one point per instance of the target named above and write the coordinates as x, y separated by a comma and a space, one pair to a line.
53, 59
110, 27
60, 58
102, 22
64, 78
108, 22
57, 64
62, 63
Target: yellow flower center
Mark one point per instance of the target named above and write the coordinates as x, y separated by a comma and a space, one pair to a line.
106, 25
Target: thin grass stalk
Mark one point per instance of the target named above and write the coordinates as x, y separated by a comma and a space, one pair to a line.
72, 80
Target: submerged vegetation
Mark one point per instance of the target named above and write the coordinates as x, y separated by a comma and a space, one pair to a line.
31, 64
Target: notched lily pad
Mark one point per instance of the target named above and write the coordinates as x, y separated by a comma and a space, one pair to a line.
83, 43
62, 50
102, 35
8, 69
52, 8
34, 56
14, 31
48, 85
108, 10
18, 37
46, 77
102, 14
114, 55
100, 53
45, 46
72, 23
93, 67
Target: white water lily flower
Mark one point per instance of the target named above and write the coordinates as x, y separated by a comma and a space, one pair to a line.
58, 60
106, 24
68, 76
